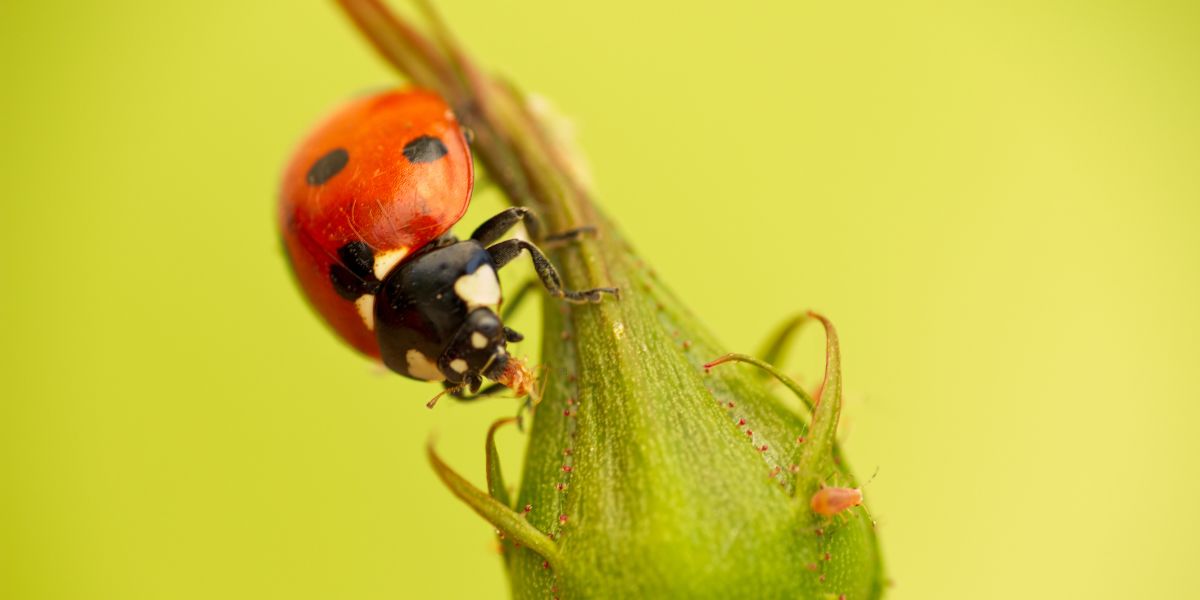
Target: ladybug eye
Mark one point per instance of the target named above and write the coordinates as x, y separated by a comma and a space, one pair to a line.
327, 166
424, 149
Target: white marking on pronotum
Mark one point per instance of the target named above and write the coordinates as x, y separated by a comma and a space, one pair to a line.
459, 365
421, 367
480, 288
366, 309
478, 340
384, 261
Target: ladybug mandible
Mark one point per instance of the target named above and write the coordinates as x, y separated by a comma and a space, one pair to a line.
366, 206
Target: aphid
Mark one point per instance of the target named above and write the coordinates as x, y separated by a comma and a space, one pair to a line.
829, 501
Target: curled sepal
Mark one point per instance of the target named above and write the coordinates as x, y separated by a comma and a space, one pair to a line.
776, 348
495, 477
817, 458
511, 524
788, 382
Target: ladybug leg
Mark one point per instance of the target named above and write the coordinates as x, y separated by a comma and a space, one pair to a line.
495, 227
504, 253
558, 240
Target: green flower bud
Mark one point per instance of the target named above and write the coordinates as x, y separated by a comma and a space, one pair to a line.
653, 469
648, 475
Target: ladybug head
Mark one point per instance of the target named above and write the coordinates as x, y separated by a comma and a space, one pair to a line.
480, 348
436, 320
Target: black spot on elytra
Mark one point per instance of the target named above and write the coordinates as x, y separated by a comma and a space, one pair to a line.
327, 166
346, 284
359, 258
424, 149
355, 275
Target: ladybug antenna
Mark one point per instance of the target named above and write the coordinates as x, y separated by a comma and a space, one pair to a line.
438, 396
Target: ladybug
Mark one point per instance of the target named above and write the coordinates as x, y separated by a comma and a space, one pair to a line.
366, 206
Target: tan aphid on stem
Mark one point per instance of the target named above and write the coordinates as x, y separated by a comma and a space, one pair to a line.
829, 501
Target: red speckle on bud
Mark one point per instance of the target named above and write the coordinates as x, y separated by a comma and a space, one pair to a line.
567, 413
811, 567
545, 564
687, 344
749, 432
566, 468
741, 422
567, 451
762, 448
562, 519
528, 508
827, 557
820, 532
829, 501
800, 440
730, 405
821, 578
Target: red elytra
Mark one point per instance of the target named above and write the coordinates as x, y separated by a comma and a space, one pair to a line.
351, 180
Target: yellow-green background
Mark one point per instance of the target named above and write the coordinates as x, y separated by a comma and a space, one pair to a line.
995, 202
